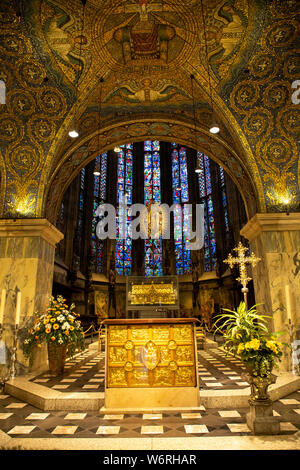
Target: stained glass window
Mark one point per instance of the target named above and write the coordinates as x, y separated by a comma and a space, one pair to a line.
152, 194
124, 198
182, 213
97, 246
209, 222
224, 198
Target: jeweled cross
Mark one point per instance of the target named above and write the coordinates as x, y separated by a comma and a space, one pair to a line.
242, 261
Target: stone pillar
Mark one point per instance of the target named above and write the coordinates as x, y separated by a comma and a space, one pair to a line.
275, 238
27, 248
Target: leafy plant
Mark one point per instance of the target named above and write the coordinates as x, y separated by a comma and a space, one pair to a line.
247, 336
59, 325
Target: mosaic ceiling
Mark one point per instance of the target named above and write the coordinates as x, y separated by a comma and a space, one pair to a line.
54, 54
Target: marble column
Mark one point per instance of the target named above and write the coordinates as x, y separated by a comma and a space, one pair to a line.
27, 248
275, 238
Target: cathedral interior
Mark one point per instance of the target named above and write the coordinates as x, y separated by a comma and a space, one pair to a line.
190, 102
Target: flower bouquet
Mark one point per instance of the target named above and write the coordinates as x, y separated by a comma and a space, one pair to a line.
247, 336
60, 328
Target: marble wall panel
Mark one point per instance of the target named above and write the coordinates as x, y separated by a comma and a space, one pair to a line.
26, 266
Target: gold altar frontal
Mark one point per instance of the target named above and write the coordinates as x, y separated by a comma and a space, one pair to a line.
151, 364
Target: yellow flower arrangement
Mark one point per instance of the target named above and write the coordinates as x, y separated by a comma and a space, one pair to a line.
58, 325
247, 336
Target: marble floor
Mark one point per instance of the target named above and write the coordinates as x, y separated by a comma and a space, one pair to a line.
86, 373
21, 422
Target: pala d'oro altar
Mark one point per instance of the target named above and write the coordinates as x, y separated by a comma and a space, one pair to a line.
151, 363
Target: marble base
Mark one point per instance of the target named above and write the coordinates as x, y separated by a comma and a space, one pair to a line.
152, 398
117, 411
260, 419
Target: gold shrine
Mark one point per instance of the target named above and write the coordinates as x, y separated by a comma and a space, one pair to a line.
149, 294
153, 361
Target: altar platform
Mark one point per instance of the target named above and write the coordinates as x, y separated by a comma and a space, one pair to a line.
42, 412
82, 385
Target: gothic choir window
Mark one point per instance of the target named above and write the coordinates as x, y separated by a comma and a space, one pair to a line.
224, 198
124, 199
80, 221
205, 188
181, 213
152, 195
97, 246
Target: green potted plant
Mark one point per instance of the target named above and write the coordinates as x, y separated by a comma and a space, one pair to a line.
60, 329
248, 337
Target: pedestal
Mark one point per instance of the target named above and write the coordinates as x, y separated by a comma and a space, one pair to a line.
27, 249
260, 418
151, 364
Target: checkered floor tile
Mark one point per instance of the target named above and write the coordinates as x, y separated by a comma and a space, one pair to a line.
86, 373
19, 419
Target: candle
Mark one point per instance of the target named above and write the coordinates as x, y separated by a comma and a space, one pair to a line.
288, 302
18, 308
3, 297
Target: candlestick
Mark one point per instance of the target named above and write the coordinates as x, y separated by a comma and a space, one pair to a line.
288, 302
14, 353
18, 308
3, 298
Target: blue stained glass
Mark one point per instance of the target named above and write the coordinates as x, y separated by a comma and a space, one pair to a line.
148, 145
205, 189
97, 246
181, 217
124, 195
152, 194
224, 198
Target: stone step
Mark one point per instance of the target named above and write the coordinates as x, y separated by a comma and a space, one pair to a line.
48, 399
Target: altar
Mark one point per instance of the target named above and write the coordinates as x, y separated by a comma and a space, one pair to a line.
150, 364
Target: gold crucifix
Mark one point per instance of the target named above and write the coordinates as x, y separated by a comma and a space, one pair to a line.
242, 261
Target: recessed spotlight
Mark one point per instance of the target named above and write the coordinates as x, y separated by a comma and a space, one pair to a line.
73, 134
214, 129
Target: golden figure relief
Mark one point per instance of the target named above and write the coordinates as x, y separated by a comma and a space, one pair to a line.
117, 377
165, 354
161, 333
117, 334
184, 354
117, 354
163, 377
183, 333
140, 377
150, 355
184, 375
140, 333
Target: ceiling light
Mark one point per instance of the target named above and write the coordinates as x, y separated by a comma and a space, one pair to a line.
96, 173
117, 149
73, 134
198, 169
214, 129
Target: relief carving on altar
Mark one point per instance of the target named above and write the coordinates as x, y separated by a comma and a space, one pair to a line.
151, 356
117, 354
183, 333
117, 334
